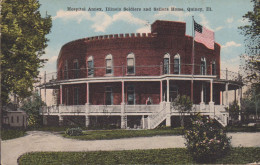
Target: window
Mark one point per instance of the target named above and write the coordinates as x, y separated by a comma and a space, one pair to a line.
76, 96
204, 93
109, 64
90, 66
130, 95
66, 75
131, 63
12, 119
177, 66
203, 66
213, 72
174, 90
109, 96
166, 64
67, 95
76, 68
17, 118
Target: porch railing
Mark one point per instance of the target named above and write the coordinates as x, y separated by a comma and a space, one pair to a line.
139, 70
155, 108
104, 108
141, 108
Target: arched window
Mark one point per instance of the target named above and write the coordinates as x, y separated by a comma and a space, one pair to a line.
90, 66
213, 68
76, 68
177, 64
130, 63
109, 64
166, 63
203, 69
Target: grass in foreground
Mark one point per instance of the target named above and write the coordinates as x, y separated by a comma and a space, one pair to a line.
7, 134
242, 129
117, 134
156, 156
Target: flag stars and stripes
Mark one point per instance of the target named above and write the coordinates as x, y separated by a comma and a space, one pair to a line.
204, 35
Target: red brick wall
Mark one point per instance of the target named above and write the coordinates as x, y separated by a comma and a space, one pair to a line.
166, 37
149, 50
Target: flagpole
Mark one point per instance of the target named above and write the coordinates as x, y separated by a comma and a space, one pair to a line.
192, 57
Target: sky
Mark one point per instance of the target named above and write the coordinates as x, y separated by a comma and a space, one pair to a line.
224, 19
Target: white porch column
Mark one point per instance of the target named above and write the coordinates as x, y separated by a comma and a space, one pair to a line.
123, 92
60, 94
168, 90
87, 93
123, 116
202, 103
211, 90
211, 103
143, 122
60, 120
161, 91
226, 91
123, 121
168, 105
87, 121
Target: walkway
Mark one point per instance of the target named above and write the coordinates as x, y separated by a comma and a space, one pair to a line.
46, 141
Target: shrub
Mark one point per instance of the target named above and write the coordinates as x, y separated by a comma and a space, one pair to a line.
74, 131
206, 140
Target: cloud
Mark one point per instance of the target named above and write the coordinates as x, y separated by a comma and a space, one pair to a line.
126, 16
68, 15
230, 20
53, 59
231, 64
179, 14
146, 29
218, 28
231, 44
204, 21
243, 21
101, 20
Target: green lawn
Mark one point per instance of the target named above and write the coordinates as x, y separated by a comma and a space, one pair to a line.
7, 134
242, 129
116, 134
156, 156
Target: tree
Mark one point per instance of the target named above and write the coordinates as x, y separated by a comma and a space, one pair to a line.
252, 34
23, 42
32, 107
233, 110
183, 104
206, 140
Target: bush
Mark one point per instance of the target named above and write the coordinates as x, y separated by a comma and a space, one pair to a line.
205, 140
74, 131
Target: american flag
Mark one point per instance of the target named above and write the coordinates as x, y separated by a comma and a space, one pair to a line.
204, 35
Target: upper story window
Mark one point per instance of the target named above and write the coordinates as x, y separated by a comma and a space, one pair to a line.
90, 66
76, 68
166, 64
213, 67
177, 64
109, 64
66, 73
203, 69
130, 63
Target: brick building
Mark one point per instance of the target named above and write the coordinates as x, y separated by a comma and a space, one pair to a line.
130, 80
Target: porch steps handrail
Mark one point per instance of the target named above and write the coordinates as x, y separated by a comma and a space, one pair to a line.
156, 118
